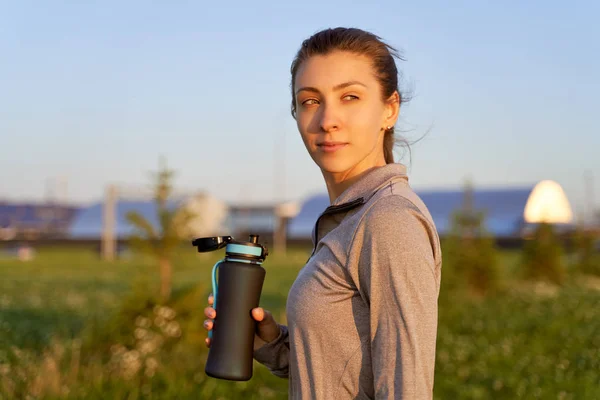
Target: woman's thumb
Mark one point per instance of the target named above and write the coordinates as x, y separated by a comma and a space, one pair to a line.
258, 314
268, 329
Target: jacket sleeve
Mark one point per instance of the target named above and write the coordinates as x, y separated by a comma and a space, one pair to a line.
275, 355
397, 272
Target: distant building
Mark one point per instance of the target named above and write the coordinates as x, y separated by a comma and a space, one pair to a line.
509, 213
504, 208
213, 218
32, 221
210, 215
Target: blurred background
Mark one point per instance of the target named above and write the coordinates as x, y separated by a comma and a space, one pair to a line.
126, 129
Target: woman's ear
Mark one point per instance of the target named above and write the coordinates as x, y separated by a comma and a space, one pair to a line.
392, 109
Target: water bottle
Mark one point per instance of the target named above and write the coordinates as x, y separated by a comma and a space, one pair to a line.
237, 282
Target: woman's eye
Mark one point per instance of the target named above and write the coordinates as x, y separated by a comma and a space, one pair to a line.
309, 102
350, 97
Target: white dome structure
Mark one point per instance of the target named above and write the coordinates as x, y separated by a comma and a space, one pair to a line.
209, 216
548, 203
287, 210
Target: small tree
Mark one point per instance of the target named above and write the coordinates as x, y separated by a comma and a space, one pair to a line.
172, 222
470, 250
543, 256
587, 259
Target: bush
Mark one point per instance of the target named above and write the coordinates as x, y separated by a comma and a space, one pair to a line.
470, 256
587, 259
543, 256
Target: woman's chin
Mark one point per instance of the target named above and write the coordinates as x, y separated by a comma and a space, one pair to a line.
333, 166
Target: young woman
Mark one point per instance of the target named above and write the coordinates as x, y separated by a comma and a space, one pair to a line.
362, 313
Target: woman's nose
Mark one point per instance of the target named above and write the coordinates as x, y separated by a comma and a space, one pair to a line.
329, 118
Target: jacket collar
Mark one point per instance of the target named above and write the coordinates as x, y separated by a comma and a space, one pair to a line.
359, 193
370, 183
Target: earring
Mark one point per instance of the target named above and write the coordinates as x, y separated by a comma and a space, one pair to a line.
388, 128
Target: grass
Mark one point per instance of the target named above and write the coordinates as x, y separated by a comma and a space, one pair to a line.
75, 327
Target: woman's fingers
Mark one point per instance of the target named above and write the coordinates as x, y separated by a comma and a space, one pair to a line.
268, 329
210, 312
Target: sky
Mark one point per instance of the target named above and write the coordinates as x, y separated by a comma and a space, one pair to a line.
93, 93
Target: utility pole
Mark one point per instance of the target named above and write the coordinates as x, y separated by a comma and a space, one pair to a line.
50, 206
281, 219
108, 223
589, 198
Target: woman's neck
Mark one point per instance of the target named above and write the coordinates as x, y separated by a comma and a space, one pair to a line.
338, 182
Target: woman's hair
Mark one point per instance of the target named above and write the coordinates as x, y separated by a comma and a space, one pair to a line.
360, 42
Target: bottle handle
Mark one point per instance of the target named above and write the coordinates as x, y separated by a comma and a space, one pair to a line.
215, 288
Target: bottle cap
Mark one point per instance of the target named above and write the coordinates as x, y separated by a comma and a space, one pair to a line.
250, 250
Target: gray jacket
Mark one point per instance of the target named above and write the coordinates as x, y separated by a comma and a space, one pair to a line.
362, 313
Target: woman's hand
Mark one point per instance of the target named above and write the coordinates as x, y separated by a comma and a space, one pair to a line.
267, 329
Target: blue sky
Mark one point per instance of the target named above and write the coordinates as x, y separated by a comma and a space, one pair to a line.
94, 92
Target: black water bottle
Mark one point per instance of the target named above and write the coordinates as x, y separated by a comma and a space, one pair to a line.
237, 282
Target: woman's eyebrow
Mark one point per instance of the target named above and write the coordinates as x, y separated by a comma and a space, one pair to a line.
335, 88
346, 84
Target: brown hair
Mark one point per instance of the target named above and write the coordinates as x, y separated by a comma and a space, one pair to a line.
356, 41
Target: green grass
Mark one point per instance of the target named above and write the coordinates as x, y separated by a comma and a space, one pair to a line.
67, 321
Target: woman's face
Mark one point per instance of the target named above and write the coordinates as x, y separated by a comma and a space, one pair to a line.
340, 113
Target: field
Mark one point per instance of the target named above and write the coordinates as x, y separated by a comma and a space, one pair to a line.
74, 327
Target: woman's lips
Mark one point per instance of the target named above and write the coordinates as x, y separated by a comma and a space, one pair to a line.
331, 147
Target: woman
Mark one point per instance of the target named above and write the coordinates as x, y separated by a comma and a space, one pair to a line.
362, 313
